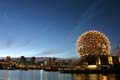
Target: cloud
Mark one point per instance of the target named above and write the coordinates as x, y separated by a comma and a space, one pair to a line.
23, 43
57, 53
8, 44
50, 52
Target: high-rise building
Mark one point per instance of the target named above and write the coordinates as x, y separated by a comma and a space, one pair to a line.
22, 59
32, 59
8, 59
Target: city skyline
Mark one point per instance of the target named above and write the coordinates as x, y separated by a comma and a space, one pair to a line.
50, 28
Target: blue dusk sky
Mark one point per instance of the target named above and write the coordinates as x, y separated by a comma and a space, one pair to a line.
50, 28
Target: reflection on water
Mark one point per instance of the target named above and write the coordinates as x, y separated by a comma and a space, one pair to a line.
43, 75
97, 77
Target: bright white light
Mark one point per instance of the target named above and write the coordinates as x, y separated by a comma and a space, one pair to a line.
92, 66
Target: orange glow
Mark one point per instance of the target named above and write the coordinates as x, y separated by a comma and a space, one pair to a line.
92, 42
110, 60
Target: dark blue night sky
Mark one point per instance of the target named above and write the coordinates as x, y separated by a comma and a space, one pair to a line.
51, 27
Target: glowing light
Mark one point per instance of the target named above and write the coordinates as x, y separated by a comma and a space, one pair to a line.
93, 42
119, 59
110, 60
104, 77
92, 67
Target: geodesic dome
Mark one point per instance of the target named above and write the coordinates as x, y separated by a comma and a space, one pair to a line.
92, 42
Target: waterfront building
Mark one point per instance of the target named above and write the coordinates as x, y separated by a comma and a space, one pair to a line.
8, 59
22, 60
32, 60
93, 47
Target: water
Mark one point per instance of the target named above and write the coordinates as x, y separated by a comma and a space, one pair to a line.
43, 75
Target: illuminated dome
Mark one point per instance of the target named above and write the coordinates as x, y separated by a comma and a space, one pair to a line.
92, 42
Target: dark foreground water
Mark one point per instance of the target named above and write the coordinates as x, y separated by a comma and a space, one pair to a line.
43, 75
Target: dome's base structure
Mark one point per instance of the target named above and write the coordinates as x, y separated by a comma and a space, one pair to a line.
96, 64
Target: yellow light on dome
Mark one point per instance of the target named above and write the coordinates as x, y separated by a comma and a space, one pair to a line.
92, 42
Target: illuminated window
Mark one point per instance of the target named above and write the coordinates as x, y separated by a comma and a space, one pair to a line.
110, 60
119, 59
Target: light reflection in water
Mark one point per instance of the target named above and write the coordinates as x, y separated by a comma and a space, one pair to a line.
43, 75
104, 77
95, 77
108, 77
5, 75
87, 77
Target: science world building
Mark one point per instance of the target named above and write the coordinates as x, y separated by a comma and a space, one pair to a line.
93, 42
93, 48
